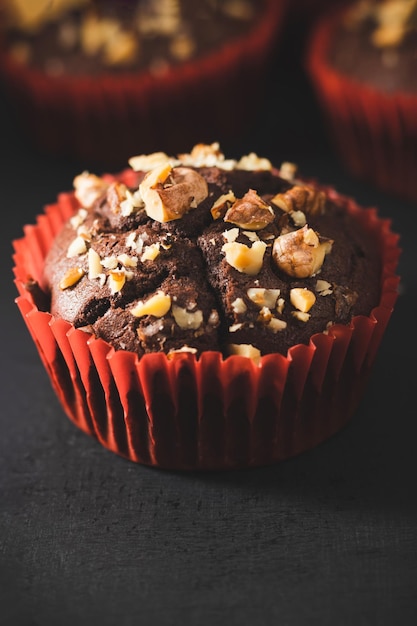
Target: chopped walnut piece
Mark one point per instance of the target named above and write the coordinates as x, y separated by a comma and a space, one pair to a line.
239, 306
116, 193
223, 202
77, 247
252, 236
183, 350
263, 297
302, 298
265, 315
301, 198
169, 193
288, 170
148, 162
117, 279
77, 220
94, 264
231, 235
298, 218
323, 288
235, 327
207, 155
252, 161
127, 261
250, 212
151, 252
110, 262
89, 188
186, 319
245, 349
300, 253
71, 277
244, 259
301, 315
157, 305
276, 325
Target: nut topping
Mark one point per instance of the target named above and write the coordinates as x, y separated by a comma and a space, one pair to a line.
157, 305
302, 299
148, 162
323, 288
288, 170
77, 247
244, 259
94, 264
117, 279
245, 349
207, 155
169, 193
301, 198
116, 193
223, 202
185, 319
264, 297
71, 277
250, 212
253, 162
89, 188
300, 253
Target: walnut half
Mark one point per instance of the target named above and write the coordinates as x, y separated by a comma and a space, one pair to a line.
169, 193
250, 212
300, 253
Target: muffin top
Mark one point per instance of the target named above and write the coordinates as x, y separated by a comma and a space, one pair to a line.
79, 37
200, 252
376, 43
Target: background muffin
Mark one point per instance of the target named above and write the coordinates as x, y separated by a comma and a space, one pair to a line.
97, 80
252, 372
362, 64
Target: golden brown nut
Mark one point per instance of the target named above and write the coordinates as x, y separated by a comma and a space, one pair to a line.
89, 188
300, 253
244, 259
222, 203
157, 305
302, 298
250, 212
301, 198
169, 193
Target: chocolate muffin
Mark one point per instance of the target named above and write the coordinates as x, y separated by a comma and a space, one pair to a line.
198, 253
199, 312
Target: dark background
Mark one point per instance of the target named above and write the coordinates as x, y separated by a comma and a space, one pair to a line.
328, 538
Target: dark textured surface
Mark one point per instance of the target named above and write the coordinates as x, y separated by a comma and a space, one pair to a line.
327, 538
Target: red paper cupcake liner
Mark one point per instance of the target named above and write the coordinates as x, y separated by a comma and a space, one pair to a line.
111, 118
374, 133
211, 413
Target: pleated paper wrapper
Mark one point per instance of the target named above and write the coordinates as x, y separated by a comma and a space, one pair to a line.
207, 413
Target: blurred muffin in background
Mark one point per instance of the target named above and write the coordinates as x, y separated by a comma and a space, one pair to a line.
95, 80
362, 61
